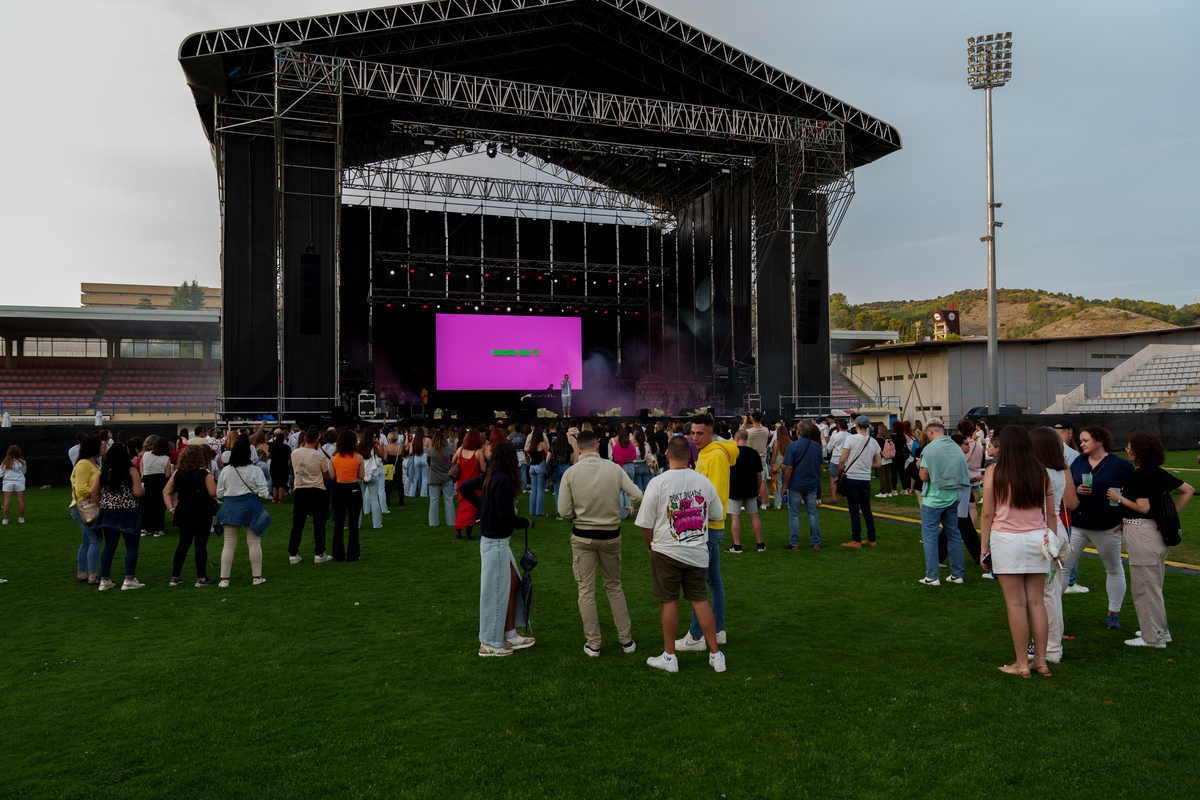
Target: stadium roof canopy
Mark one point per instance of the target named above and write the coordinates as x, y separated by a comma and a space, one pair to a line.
18, 322
601, 50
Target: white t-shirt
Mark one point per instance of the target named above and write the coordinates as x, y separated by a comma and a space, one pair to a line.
1070, 454
835, 443
154, 465
677, 506
859, 461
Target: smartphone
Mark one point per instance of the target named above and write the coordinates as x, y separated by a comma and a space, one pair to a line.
987, 561
625, 512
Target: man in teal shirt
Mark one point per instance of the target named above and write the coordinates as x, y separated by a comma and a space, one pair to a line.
944, 471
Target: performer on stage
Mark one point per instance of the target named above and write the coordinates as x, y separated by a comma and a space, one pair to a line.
566, 395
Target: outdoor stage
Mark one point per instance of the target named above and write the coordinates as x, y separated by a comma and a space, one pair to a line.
686, 197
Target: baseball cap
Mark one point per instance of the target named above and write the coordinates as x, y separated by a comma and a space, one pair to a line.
1064, 424
861, 420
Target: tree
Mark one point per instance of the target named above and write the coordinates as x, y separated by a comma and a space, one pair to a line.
145, 303
187, 298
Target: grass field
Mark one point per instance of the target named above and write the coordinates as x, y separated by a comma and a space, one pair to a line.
846, 679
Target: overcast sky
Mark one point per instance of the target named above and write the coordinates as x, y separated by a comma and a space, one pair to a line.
109, 177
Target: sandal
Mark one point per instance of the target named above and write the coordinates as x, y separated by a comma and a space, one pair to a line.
1011, 669
1044, 669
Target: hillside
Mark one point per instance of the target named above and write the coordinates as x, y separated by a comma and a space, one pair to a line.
1021, 313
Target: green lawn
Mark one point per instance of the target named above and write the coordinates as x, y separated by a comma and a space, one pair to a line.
846, 679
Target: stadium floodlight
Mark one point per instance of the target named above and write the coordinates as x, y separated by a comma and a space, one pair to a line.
989, 65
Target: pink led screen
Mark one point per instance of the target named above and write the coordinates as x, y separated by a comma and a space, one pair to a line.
479, 352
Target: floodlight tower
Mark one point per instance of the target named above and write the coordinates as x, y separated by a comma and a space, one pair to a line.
989, 65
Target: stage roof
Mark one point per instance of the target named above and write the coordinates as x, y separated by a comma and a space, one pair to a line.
620, 47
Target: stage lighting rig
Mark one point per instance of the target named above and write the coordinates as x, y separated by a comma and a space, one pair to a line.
491, 150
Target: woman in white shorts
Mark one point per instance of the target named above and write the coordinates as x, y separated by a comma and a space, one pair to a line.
13, 469
1016, 492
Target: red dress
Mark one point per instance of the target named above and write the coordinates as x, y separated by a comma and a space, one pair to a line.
467, 468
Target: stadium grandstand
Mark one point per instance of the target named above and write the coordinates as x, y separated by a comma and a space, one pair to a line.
128, 364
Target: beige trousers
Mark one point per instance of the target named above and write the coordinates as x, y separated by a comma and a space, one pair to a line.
1147, 559
586, 553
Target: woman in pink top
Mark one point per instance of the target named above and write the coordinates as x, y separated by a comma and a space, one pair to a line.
1015, 493
623, 452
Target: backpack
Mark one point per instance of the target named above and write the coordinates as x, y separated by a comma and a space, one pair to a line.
889, 449
1167, 520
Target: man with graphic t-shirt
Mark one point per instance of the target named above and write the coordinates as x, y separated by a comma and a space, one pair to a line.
676, 511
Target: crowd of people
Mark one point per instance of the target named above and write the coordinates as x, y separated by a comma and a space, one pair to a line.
1022, 505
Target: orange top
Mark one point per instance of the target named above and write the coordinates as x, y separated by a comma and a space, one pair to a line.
345, 468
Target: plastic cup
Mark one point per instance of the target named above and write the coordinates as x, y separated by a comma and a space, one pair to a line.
1116, 502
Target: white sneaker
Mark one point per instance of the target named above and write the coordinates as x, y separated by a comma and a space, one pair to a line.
953, 579
664, 662
486, 650
881, 494
5, 522
590, 652
132, 583
927, 582
1165, 638
1076, 589
989, 576
629, 647
322, 559
223, 584
106, 584
688, 643
21, 520
1140, 642
294, 559
717, 661
720, 637
520, 642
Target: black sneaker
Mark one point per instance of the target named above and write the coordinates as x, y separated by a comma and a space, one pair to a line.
761, 547
734, 549
205, 582
1113, 621
176, 582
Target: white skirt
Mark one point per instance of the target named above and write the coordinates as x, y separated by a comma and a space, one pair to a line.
1020, 553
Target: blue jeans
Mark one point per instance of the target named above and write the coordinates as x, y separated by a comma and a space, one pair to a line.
495, 581
373, 498
89, 547
858, 497
947, 519
447, 491
780, 490
714, 584
641, 475
523, 471
418, 476
631, 471
556, 477
537, 489
814, 525
111, 537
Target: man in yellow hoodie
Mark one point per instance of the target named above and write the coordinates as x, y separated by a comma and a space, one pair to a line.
714, 461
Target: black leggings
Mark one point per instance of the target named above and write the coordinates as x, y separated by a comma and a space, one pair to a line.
347, 499
111, 537
190, 532
970, 540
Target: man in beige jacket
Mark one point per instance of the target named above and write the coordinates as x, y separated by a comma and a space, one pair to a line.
590, 498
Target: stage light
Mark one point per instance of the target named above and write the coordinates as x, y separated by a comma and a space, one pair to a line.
508, 309
506, 148
520, 154
469, 147
476, 308
389, 305
424, 306
445, 149
662, 165
491, 150
393, 272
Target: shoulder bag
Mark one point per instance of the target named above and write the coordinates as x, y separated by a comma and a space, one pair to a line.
1166, 518
89, 509
454, 471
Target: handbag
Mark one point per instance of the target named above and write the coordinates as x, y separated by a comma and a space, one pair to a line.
454, 470
89, 509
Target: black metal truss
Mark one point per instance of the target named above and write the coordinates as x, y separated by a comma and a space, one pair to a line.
573, 148
378, 32
529, 100
378, 178
504, 301
428, 260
